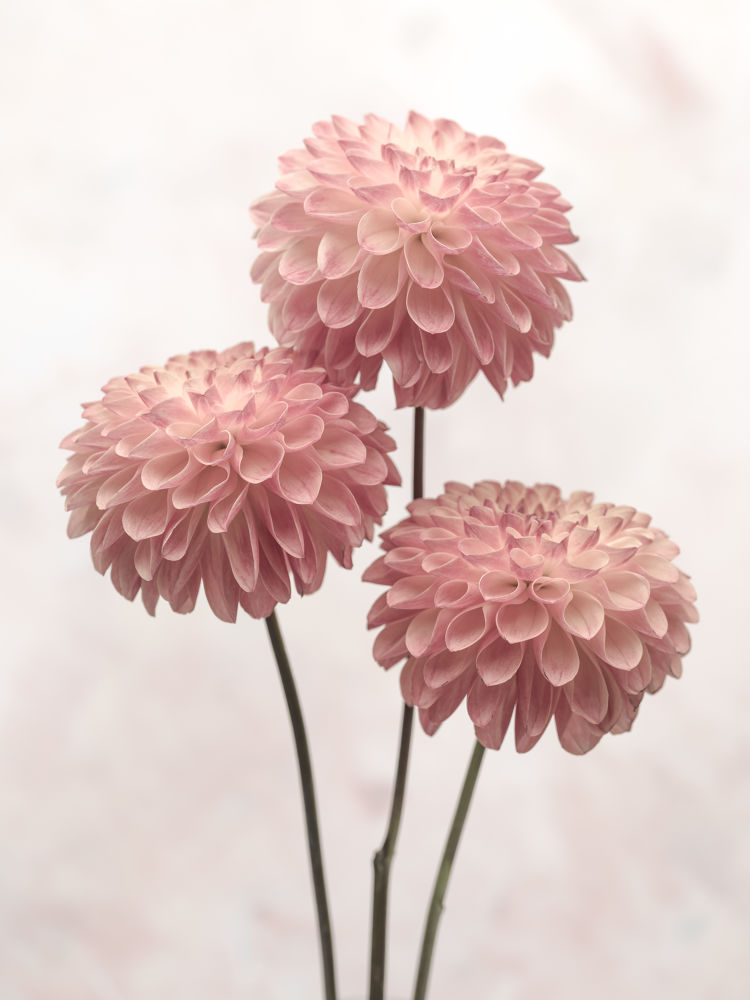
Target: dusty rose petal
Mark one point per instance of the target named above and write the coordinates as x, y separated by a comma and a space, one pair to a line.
375, 333
537, 699
482, 702
299, 477
430, 308
587, 692
378, 232
519, 622
165, 470
499, 586
618, 645
298, 264
208, 484
147, 516
442, 669
379, 282
437, 351
337, 253
465, 629
336, 501
339, 448
338, 305
498, 661
423, 266
260, 459
583, 616
421, 631
557, 656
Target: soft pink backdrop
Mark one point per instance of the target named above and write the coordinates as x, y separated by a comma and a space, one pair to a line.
150, 824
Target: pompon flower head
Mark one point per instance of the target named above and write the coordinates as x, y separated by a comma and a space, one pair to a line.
427, 247
513, 597
234, 468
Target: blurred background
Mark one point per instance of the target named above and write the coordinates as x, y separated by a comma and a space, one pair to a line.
151, 835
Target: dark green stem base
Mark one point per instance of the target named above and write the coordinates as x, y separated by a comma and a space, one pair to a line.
308, 796
441, 882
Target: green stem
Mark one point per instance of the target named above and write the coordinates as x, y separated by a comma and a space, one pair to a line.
308, 796
418, 477
381, 862
441, 882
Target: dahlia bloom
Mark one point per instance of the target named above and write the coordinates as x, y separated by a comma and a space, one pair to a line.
233, 468
514, 597
428, 247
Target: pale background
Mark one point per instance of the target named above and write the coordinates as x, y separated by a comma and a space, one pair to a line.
150, 825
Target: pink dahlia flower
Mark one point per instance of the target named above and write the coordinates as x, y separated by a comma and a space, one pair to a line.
234, 468
427, 247
513, 597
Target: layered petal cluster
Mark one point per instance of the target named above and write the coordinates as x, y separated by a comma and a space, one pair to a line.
515, 598
427, 247
235, 468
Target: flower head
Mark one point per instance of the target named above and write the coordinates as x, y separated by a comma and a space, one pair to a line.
513, 597
427, 247
234, 468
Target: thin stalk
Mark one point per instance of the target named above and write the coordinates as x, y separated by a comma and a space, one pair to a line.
418, 478
441, 882
381, 862
308, 796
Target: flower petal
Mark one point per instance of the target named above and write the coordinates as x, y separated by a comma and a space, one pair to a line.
337, 501
299, 477
375, 332
337, 253
299, 262
210, 483
338, 305
557, 654
618, 645
587, 692
583, 615
498, 661
378, 232
496, 585
519, 622
303, 431
333, 205
482, 702
430, 308
379, 281
165, 470
147, 516
465, 629
422, 265
260, 459
442, 668
421, 630
437, 351
550, 590
627, 591
339, 448
450, 239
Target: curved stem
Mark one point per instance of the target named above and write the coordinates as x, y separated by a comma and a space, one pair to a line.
441, 882
381, 862
308, 796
